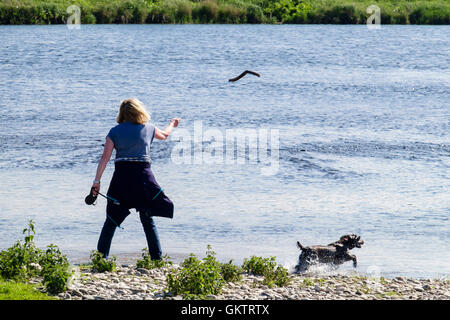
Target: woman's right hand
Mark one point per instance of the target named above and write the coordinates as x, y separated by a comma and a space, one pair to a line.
175, 122
95, 188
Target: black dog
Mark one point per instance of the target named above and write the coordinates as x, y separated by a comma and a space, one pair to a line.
335, 253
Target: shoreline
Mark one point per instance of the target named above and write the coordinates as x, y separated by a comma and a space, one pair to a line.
433, 12
322, 270
131, 283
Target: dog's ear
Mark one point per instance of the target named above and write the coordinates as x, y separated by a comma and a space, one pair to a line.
300, 246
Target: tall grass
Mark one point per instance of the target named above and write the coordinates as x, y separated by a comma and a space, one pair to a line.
225, 11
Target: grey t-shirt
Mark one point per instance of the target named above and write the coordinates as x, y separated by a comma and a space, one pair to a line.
132, 141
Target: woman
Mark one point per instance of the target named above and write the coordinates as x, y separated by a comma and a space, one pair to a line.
133, 184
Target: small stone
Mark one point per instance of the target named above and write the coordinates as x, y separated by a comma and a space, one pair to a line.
144, 271
83, 291
427, 287
76, 293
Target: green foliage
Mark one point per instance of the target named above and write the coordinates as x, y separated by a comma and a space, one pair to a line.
24, 260
18, 261
205, 11
259, 265
55, 268
147, 263
225, 11
197, 278
278, 277
267, 267
230, 272
307, 282
11, 290
101, 264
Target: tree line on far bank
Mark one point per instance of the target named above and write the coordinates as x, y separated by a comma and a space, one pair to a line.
224, 11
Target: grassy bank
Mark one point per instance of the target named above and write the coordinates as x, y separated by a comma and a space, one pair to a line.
225, 11
11, 290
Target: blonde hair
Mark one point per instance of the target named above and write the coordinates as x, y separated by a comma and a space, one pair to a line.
132, 110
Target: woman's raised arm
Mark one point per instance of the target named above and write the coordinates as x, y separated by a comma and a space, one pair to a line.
164, 134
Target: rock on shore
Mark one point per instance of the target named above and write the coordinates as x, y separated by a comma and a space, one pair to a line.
130, 283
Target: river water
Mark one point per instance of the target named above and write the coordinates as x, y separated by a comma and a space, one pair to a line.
360, 121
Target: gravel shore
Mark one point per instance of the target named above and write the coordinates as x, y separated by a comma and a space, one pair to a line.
131, 283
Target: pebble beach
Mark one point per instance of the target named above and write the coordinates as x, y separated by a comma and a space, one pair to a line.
131, 283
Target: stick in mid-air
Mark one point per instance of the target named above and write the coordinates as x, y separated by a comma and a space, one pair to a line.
243, 74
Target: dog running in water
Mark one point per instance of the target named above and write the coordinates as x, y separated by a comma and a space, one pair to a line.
335, 253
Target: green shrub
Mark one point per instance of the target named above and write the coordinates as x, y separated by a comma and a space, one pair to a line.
278, 277
104, 14
231, 14
24, 261
205, 12
55, 269
182, 11
230, 272
197, 278
88, 18
254, 14
267, 267
259, 265
101, 264
18, 261
147, 263
124, 13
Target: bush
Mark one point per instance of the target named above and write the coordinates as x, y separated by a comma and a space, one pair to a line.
205, 12
197, 278
104, 14
231, 14
88, 18
18, 262
230, 272
278, 277
267, 267
254, 14
101, 264
23, 261
183, 12
258, 265
55, 268
147, 263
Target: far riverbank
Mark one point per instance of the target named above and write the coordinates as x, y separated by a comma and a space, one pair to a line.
15, 12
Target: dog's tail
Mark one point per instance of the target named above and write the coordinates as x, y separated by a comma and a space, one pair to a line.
300, 246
